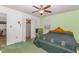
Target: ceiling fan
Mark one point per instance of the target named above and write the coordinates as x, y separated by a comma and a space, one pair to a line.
42, 9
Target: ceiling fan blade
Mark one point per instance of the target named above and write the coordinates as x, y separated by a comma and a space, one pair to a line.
35, 11
47, 6
48, 11
36, 7
41, 6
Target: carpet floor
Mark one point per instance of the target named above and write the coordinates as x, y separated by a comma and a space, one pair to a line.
22, 47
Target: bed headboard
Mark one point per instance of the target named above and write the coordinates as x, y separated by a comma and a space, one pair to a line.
58, 29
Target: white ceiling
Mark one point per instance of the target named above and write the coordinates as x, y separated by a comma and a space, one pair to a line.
54, 8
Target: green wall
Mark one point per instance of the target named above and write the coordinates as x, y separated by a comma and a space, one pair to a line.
68, 21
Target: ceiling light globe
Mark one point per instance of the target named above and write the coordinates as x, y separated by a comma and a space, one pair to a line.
41, 11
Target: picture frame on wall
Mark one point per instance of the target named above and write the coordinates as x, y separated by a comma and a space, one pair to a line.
47, 26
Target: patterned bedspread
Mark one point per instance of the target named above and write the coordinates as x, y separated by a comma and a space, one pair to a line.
56, 42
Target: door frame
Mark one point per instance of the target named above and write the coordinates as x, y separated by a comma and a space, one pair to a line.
28, 22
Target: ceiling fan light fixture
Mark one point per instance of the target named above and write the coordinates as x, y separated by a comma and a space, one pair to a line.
41, 11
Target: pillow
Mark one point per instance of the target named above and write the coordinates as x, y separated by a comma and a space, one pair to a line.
58, 29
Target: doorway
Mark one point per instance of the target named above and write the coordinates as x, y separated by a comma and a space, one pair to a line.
28, 29
3, 26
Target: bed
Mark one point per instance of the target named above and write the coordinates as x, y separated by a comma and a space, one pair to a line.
56, 42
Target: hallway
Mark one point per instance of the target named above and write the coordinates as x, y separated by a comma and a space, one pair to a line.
2, 41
